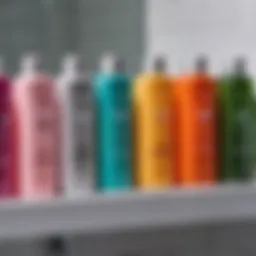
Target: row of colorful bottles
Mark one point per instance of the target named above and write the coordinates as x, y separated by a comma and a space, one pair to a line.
65, 136
208, 133
175, 127
75, 134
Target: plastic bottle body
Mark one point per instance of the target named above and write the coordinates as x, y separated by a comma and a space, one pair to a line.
37, 120
195, 131
76, 97
237, 127
5, 138
113, 131
152, 110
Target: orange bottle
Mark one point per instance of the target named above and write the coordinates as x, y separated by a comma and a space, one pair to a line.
195, 127
152, 141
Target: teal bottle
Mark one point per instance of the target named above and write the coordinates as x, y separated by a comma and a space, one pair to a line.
237, 124
112, 94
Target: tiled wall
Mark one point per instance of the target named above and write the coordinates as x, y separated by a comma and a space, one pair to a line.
112, 25
33, 25
56, 26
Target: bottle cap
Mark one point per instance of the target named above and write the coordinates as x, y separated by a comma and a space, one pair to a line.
2, 65
240, 65
111, 63
31, 62
202, 64
160, 64
73, 63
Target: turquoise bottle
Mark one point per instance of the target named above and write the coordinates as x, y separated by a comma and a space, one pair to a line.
237, 124
112, 94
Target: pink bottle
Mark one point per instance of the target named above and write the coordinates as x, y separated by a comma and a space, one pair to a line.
5, 135
36, 131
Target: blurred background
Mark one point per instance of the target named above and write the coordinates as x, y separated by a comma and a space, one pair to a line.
137, 30
55, 27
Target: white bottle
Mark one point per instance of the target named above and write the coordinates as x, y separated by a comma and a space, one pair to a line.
75, 93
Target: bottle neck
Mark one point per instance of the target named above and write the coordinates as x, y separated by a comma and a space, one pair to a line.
31, 64
73, 72
30, 71
111, 65
240, 72
73, 66
159, 65
109, 71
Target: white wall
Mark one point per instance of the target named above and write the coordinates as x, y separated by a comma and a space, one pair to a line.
184, 28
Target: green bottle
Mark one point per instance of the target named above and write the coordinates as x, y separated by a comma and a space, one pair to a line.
237, 113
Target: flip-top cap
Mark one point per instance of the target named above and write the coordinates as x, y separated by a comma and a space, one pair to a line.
73, 62
111, 63
31, 62
202, 64
159, 64
240, 65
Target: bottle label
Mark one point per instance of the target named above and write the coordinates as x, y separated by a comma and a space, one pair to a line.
162, 150
163, 116
122, 135
46, 136
163, 131
205, 139
4, 153
82, 127
205, 115
4, 138
4, 122
243, 139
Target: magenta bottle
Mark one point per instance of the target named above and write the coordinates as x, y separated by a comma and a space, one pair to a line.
5, 135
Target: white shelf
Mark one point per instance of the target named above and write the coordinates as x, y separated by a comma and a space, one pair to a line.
135, 210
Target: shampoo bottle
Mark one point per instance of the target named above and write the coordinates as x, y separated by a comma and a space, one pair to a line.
76, 100
195, 131
237, 123
152, 107
5, 134
112, 90
36, 130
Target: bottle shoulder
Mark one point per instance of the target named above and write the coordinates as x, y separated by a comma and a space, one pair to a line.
147, 85
25, 87
148, 77
230, 81
151, 81
73, 80
33, 80
5, 82
107, 82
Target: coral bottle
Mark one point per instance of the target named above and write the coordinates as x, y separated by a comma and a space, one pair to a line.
5, 136
36, 120
112, 91
152, 101
195, 127
76, 98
